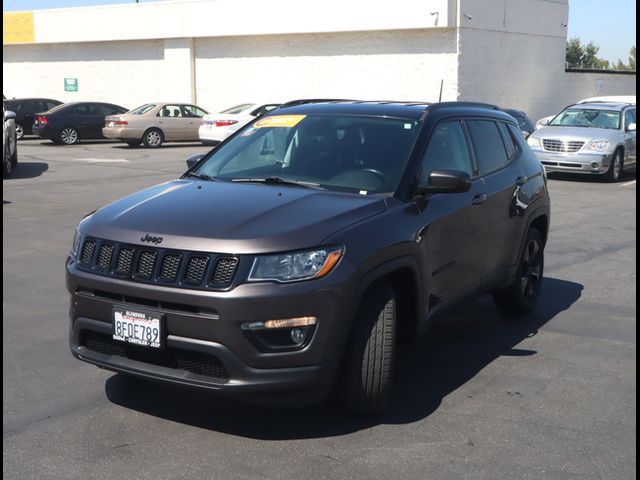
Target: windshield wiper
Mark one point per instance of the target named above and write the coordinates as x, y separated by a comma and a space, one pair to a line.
201, 176
279, 181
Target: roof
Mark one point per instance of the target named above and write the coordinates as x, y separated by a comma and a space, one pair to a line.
411, 110
602, 106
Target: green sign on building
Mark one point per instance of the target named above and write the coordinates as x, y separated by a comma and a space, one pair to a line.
70, 84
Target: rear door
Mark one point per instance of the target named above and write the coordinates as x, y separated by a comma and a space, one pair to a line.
496, 153
89, 120
173, 125
454, 235
193, 115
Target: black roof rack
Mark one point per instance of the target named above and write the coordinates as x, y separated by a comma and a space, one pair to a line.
302, 101
463, 104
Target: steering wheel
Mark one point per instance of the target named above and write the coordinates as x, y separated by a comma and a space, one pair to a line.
381, 176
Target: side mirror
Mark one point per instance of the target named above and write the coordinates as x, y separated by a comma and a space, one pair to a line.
445, 180
631, 127
9, 115
193, 159
543, 122
525, 133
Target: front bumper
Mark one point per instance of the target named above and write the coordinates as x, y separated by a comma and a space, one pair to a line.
594, 163
207, 324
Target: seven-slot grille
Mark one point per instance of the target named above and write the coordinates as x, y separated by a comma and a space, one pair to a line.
571, 146
154, 265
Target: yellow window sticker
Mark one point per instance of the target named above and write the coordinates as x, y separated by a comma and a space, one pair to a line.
285, 121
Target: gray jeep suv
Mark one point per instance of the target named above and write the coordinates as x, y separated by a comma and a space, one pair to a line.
294, 256
591, 138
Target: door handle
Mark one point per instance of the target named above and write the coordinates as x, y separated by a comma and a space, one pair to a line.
479, 199
521, 181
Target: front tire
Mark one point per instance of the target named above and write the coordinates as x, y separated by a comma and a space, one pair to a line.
68, 136
153, 138
370, 354
521, 296
616, 168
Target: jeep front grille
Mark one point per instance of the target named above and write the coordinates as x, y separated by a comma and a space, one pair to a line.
198, 270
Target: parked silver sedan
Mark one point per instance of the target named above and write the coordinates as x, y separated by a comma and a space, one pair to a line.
592, 138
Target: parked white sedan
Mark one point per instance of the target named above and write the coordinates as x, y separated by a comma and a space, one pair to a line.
215, 127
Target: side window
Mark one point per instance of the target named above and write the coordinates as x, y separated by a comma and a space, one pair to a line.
170, 111
517, 137
508, 140
50, 105
82, 109
447, 149
42, 106
192, 111
487, 144
629, 118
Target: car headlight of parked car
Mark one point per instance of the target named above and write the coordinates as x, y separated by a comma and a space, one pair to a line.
295, 266
533, 141
598, 145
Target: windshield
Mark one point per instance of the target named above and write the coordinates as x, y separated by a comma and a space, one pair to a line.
142, 109
590, 118
365, 155
238, 109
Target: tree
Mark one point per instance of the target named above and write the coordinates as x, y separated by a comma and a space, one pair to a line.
584, 56
632, 58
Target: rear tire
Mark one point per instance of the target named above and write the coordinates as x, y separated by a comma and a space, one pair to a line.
153, 138
370, 356
19, 131
68, 136
521, 296
616, 168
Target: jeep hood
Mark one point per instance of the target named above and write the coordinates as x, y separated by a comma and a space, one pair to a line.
230, 218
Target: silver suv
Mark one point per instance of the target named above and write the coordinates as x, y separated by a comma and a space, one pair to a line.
9, 144
595, 138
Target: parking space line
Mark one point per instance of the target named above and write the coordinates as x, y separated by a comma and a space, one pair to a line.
628, 184
102, 160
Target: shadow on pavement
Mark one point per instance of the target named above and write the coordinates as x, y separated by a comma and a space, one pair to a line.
449, 355
581, 177
28, 170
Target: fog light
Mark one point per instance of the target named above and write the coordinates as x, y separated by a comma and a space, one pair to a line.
595, 165
297, 336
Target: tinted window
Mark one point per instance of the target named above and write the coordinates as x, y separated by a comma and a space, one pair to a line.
51, 105
447, 149
109, 110
87, 109
487, 144
508, 140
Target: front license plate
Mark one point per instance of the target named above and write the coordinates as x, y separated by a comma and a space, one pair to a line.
139, 328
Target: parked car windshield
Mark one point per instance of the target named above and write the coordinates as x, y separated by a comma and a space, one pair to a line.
238, 109
142, 109
365, 155
590, 118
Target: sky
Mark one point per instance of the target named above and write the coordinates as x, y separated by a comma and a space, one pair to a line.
610, 24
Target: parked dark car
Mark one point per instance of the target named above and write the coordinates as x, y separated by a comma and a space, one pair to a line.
25, 109
294, 256
71, 122
526, 125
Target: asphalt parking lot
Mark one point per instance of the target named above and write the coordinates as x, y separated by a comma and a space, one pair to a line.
549, 397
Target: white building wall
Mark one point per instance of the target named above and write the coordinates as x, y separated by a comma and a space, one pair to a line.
512, 52
404, 65
124, 73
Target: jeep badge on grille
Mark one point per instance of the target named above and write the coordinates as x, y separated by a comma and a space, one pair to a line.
150, 239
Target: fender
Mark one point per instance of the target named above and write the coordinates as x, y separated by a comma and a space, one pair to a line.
537, 213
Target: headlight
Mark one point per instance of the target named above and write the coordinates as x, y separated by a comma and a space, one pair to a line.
533, 141
598, 145
291, 267
75, 246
